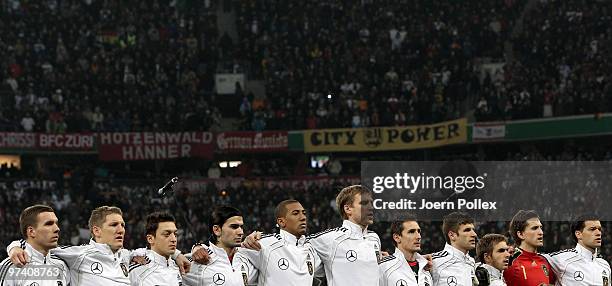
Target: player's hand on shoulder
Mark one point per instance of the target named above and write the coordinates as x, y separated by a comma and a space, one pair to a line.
252, 241
429, 265
183, 264
200, 255
142, 260
19, 257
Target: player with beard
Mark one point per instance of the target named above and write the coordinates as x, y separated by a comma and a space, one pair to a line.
226, 236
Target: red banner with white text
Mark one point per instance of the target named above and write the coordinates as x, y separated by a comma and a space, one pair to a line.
129, 146
266, 141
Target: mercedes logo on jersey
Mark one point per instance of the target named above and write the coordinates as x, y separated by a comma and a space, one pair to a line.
218, 279
96, 268
401, 282
351, 255
578, 276
451, 281
283, 264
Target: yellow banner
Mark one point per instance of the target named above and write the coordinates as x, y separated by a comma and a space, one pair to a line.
385, 138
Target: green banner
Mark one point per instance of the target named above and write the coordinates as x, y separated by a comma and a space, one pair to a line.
553, 128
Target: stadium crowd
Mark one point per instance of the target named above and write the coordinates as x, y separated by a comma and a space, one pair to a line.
561, 66
368, 63
70, 66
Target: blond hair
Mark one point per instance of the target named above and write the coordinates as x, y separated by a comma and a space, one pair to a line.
98, 216
347, 197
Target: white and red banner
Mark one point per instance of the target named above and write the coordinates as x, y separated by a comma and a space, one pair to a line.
488, 132
265, 141
128, 146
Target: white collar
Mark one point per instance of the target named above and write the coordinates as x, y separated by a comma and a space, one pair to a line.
290, 238
101, 246
159, 259
355, 230
457, 252
584, 252
220, 252
35, 254
493, 272
420, 259
105, 248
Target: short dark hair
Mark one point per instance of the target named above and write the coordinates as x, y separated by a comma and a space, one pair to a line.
219, 216
486, 244
397, 226
519, 223
154, 219
281, 208
578, 224
29, 217
453, 221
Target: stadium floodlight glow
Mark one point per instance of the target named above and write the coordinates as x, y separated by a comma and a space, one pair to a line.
223, 164
234, 164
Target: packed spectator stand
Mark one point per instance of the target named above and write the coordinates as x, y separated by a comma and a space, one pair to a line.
368, 63
562, 65
70, 66
101, 66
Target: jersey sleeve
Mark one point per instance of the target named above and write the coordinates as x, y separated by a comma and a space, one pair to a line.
318, 263
382, 279
322, 243
438, 274
15, 243
248, 263
555, 263
195, 275
4, 271
69, 254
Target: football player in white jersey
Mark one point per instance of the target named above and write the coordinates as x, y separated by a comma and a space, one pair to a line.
40, 230
454, 266
582, 265
285, 258
103, 261
406, 266
350, 253
226, 236
161, 234
493, 257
